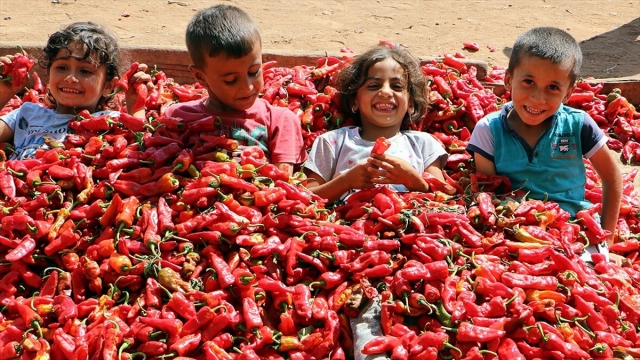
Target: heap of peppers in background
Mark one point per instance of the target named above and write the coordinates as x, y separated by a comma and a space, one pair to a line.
140, 239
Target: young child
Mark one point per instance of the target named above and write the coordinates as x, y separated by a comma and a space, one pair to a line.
384, 91
82, 63
226, 50
538, 142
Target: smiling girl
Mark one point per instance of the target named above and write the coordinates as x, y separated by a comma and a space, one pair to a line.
383, 90
82, 63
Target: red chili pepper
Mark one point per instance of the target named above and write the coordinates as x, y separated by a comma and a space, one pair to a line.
380, 146
186, 344
251, 313
166, 184
381, 344
223, 271
18, 70
474, 108
451, 61
131, 122
444, 89
7, 185
37, 83
301, 298
473, 46
65, 240
170, 326
142, 93
529, 281
123, 82
300, 90
27, 245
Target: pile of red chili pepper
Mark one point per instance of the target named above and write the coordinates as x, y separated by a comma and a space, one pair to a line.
141, 239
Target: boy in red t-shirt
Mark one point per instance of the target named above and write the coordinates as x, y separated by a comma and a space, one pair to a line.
226, 50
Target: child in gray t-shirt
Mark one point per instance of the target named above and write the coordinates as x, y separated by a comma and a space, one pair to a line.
384, 91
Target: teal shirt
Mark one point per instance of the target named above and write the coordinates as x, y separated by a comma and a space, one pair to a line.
553, 169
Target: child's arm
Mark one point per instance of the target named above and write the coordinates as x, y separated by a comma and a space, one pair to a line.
288, 167
484, 165
6, 134
605, 165
358, 177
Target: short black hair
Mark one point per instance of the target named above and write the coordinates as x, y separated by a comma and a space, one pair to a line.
220, 29
548, 43
353, 77
97, 40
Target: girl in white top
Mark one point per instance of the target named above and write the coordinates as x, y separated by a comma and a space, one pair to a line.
82, 63
383, 90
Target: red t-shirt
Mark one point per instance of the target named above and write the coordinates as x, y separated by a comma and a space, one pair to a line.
275, 130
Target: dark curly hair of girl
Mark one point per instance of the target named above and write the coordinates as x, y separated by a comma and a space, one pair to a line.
352, 77
101, 48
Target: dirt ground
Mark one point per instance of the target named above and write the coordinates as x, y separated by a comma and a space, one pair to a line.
608, 30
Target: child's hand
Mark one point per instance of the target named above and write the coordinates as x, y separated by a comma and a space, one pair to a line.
359, 176
617, 259
7, 90
386, 169
136, 95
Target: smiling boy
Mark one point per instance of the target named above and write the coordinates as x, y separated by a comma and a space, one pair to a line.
537, 141
226, 50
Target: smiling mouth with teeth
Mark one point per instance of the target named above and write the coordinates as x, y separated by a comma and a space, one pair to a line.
532, 111
71, 91
385, 106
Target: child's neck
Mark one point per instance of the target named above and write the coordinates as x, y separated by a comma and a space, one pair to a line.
528, 132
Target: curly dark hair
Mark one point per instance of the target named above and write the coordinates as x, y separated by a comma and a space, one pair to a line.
100, 45
353, 77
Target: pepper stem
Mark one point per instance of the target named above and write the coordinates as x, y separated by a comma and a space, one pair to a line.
125, 344
446, 345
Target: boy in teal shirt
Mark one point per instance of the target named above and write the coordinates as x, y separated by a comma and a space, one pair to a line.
537, 141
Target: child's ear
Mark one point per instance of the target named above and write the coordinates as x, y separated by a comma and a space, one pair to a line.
568, 94
507, 81
108, 87
198, 75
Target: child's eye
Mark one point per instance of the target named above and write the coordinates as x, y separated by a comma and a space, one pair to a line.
528, 81
230, 82
372, 85
255, 73
554, 87
399, 87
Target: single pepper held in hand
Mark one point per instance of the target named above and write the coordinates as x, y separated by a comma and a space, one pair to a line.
380, 146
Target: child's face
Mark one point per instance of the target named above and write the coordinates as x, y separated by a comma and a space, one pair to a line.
383, 99
75, 84
233, 84
538, 88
